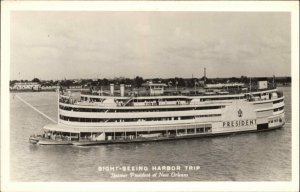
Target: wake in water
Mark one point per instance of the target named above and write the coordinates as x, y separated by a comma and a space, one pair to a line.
35, 109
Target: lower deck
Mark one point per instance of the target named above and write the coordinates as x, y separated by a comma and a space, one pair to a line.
86, 139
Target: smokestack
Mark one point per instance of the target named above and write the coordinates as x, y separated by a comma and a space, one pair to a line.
122, 88
205, 73
112, 89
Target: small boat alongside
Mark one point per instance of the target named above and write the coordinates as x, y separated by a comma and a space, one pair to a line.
44, 140
34, 139
53, 142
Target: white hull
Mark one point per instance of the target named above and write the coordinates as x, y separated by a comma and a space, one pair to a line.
111, 120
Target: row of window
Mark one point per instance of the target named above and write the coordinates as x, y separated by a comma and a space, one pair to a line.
275, 120
193, 131
278, 101
135, 99
221, 98
165, 100
278, 109
181, 131
96, 120
210, 115
136, 110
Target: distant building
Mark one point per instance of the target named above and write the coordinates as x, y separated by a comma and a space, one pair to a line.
49, 87
156, 88
26, 86
75, 87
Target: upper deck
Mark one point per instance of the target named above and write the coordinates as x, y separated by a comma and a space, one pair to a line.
179, 93
159, 89
180, 97
103, 110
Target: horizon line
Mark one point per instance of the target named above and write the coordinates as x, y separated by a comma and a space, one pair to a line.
121, 77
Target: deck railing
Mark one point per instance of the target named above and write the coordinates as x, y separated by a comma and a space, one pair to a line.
181, 92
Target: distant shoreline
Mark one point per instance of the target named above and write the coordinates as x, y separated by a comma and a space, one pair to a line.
22, 91
75, 90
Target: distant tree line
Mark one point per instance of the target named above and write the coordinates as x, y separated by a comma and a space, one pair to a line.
139, 81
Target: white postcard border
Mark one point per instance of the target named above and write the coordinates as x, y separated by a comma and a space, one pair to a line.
247, 6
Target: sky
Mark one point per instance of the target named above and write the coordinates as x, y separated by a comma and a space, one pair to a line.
96, 44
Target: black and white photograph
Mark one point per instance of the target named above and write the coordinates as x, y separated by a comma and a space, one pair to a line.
159, 94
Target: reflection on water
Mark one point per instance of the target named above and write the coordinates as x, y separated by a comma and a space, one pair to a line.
264, 156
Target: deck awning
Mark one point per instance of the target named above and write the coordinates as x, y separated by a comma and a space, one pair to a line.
60, 127
74, 129
80, 129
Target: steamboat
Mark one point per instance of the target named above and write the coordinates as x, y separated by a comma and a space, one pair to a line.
120, 116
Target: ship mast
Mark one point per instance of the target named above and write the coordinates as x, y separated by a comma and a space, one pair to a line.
204, 75
250, 84
58, 95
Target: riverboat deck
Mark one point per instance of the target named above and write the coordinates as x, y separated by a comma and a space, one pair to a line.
38, 139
